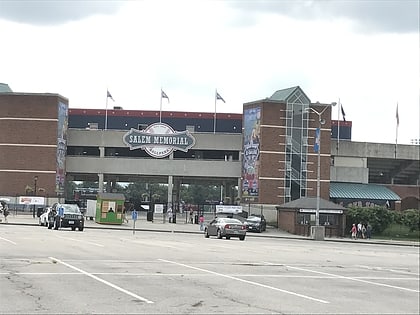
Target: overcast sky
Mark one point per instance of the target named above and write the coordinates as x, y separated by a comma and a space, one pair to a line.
364, 53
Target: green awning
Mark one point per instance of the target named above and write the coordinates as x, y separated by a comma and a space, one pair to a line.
361, 191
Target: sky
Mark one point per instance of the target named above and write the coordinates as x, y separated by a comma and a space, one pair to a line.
363, 54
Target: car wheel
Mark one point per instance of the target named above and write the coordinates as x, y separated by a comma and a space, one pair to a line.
259, 229
81, 228
206, 233
73, 228
242, 238
219, 233
228, 237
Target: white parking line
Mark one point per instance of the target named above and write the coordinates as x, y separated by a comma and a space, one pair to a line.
76, 240
101, 280
245, 281
5, 239
354, 279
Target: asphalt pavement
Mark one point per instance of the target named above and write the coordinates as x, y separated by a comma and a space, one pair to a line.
161, 224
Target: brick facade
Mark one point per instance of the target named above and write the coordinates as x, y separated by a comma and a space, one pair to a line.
28, 142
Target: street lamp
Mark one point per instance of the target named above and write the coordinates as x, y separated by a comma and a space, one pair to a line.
319, 233
35, 182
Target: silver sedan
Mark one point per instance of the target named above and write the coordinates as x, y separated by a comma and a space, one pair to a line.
225, 227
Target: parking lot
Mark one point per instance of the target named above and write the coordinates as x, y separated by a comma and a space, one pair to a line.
117, 272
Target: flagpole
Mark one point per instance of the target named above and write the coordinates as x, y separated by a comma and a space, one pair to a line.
106, 110
214, 122
338, 125
160, 108
396, 131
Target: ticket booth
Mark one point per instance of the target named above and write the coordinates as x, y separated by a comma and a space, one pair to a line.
109, 208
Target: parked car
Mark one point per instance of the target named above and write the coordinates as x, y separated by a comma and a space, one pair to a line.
256, 223
225, 227
66, 215
43, 218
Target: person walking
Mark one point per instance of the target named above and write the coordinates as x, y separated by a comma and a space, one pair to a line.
191, 216
170, 214
363, 231
368, 231
354, 232
359, 230
201, 221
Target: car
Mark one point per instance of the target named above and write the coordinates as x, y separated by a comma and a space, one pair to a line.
225, 227
43, 218
64, 215
256, 223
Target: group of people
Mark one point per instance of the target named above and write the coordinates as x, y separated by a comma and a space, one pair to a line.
361, 231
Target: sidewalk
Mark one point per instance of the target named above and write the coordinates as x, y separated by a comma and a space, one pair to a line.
158, 225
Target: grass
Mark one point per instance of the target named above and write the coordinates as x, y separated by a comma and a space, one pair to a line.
399, 232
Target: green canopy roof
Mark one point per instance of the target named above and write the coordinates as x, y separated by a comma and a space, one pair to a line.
361, 191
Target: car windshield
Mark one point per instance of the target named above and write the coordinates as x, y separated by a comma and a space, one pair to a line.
69, 208
253, 219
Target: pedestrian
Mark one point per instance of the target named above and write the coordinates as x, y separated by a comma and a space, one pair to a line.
353, 232
201, 221
191, 216
359, 230
5, 209
125, 215
170, 214
368, 231
363, 231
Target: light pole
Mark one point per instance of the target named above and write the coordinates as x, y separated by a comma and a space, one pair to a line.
318, 233
35, 182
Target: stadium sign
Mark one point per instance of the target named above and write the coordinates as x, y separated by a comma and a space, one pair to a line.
159, 140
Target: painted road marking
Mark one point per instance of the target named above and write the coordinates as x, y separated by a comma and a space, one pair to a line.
5, 239
245, 281
81, 241
354, 279
102, 280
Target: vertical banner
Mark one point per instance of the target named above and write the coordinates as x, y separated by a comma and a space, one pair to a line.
60, 175
251, 149
316, 144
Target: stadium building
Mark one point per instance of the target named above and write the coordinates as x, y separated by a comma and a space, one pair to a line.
281, 149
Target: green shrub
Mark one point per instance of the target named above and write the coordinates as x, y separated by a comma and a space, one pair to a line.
378, 217
411, 219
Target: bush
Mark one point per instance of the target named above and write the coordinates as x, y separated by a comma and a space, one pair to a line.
378, 217
411, 219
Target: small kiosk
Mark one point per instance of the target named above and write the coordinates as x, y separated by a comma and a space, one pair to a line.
109, 208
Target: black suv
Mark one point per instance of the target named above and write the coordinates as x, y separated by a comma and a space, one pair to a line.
66, 215
256, 222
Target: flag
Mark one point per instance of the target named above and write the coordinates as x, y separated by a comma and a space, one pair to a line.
163, 95
108, 95
316, 144
397, 117
343, 113
218, 97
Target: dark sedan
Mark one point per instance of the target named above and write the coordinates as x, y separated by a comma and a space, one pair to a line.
256, 223
225, 227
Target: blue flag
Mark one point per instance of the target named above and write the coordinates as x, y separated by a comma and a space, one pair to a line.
317, 135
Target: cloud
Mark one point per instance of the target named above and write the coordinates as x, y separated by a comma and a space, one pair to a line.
376, 16
49, 12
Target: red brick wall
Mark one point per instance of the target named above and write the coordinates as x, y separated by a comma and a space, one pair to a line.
287, 219
28, 139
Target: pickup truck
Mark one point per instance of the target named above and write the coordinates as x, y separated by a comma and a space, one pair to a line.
62, 215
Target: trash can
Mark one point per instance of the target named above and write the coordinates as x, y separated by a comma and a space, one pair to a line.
149, 215
196, 219
39, 211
